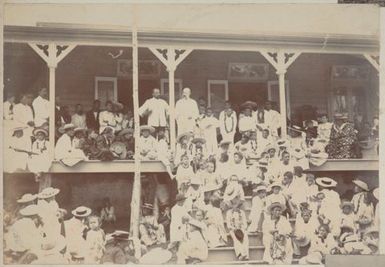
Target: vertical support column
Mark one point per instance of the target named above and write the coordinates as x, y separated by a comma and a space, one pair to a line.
381, 203
171, 82
135, 199
282, 102
281, 60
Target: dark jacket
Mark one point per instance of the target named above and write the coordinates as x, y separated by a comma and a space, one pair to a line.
91, 121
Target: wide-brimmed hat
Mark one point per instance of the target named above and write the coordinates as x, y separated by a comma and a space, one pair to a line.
180, 197
296, 128
261, 187
52, 245
262, 163
282, 143
248, 104
81, 212
375, 193
224, 143
346, 204
156, 256
341, 116
119, 149
361, 184
40, 130
125, 131
312, 258
48, 192
275, 184
118, 235
66, 127
147, 206
27, 198
270, 147
147, 128
298, 153
18, 128
186, 134
80, 129
274, 205
326, 182
30, 210
198, 140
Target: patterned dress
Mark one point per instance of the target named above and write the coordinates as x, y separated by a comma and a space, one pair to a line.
342, 142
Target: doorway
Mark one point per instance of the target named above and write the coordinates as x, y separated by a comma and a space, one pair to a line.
240, 92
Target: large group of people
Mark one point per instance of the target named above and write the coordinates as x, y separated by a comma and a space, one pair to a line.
217, 164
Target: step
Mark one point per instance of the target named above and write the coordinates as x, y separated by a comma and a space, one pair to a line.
225, 254
255, 239
249, 262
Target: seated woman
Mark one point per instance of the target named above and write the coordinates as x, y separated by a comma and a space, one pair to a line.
216, 234
151, 232
193, 246
236, 223
276, 236
147, 143
343, 139
126, 136
323, 242
40, 161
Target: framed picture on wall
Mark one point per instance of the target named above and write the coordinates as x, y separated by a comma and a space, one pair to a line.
248, 72
148, 69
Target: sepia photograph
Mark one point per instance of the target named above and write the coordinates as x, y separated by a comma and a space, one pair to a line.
216, 134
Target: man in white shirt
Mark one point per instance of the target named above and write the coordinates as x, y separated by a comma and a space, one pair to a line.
273, 119
187, 112
41, 107
23, 114
228, 123
157, 111
79, 118
8, 107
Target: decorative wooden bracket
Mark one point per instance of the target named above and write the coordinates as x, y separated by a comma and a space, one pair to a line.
170, 57
52, 53
280, 60
374, 60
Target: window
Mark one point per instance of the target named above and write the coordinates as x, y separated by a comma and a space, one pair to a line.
217, 95
106, 88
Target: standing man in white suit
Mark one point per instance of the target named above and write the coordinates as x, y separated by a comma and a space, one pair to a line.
187, 112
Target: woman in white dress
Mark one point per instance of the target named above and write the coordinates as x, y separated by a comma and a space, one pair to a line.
40, 162
276, 236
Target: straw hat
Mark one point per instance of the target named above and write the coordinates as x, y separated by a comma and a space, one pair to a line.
29, 210
298, 153
224, 143
326, 182
275, 184
125, 131
261, 187
282, 143
27, 198
198, 140
270, 147
147, 206
52, 245
180, 197
156, 256
341, 116
80, 129
274, 205
187, 134
346, 204
119, 149
262, 163
361, 184
81, 212
40, 130
375, 193
48, 192
66, 127
147, 128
